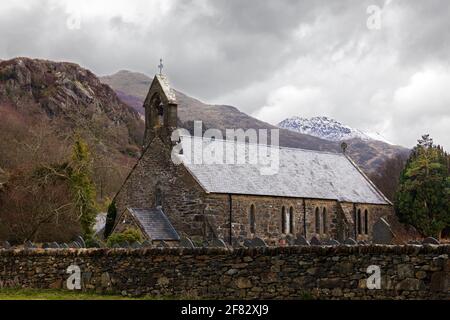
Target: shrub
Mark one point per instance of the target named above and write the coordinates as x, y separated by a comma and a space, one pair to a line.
130, 235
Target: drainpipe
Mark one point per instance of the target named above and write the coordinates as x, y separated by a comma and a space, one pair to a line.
304, 217
230, 203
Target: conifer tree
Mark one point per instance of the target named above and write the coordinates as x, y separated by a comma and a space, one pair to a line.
423, 196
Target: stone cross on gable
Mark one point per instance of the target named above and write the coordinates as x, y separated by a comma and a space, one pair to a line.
160, 66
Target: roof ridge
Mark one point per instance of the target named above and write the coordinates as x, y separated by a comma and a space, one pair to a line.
267, 145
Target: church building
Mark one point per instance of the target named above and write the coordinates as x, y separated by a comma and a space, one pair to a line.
313, 193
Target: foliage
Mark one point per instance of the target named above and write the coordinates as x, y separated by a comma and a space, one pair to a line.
83, 189
387, 179
110, 219
423, 196
130, 235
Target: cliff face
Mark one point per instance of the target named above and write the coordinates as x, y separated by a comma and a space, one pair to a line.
71, 97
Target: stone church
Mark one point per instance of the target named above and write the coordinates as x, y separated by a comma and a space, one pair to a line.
314, 193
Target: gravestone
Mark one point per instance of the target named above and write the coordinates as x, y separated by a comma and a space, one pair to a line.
161, 244
74, 245
54, 245
186, 243
290, 239
205, 244
136, 245
382, 232
248, 243
29, 245
218, 243
301, 241
430, 240
5, 245
147, 244
350, 242
314, 241
81, 241
332, 242
258, 242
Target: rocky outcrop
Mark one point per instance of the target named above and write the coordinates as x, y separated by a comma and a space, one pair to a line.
70, 96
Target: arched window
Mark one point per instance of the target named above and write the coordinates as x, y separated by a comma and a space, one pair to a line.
317, 220
324, 220
358, 218
160, 109
157, 111
252, 219
283, 220
366, 222
291, 220
158, 197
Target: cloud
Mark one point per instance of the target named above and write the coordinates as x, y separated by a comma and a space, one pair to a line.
423, 106
288, 100
271, 59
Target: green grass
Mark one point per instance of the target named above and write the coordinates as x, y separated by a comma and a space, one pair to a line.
46, 294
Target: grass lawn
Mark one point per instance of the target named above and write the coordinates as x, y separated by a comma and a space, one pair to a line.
46, 294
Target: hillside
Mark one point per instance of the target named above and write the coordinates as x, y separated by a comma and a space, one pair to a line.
132, 88
61, 99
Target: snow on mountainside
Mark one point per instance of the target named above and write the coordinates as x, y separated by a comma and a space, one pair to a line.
327, 128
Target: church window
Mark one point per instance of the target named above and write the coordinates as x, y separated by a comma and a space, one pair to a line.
283, 220
359, 224
324, 220
252, 219
317, 221
366, 222
291, 220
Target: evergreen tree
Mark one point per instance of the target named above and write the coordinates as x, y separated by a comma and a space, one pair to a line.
83, 188
110, 219
423, 196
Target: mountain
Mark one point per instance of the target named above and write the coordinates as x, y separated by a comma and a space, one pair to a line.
369, 154
322, 127
328, 129
62, 99
133, 87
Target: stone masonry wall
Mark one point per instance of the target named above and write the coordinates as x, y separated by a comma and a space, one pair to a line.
182, 197
407, 272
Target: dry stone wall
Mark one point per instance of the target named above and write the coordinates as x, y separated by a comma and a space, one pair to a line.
407, 272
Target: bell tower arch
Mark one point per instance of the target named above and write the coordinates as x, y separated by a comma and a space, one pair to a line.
160, 110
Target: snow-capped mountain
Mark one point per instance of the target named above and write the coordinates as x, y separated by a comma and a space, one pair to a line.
327, 128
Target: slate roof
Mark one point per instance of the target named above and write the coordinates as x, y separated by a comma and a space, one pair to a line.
155, 223
301, 173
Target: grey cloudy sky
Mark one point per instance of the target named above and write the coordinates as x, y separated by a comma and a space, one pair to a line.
271, 59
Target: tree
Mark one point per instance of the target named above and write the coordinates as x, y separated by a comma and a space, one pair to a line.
423, 197
36, 205
387, 179
110, 219
83, 189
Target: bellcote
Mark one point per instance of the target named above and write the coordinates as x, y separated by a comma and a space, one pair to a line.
160, 110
